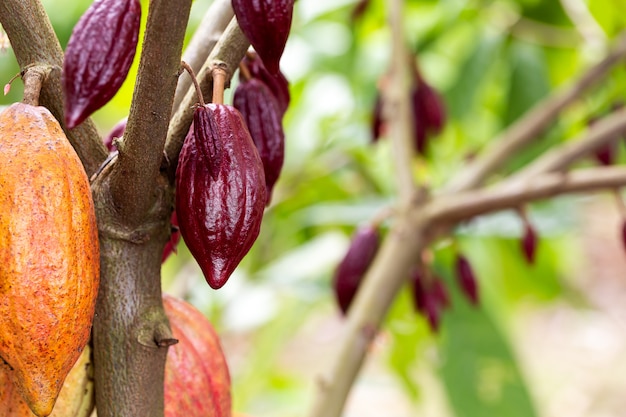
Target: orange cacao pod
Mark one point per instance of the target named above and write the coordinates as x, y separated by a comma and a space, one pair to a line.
49, 256
197, 382
75, 400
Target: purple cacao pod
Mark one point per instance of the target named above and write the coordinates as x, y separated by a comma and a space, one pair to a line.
418, 291
529, 243
377, 118
428, 113
439, 292
466, 279
354, 265
116, 132
605, 155
277, 83
432, 311
219, 202
259, 109
266, 24
98, 56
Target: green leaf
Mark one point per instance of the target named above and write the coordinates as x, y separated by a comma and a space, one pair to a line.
473, 72
479, 371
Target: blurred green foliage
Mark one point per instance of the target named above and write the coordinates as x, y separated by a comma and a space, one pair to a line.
479, 55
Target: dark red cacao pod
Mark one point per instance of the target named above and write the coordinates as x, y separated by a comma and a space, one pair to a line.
354, 265
277, 83
439, 292
428, 113
377, 118
259, 109
605, 155
466, 279
529, 243
266, 24
219, 202
197, 380
418, 291
98, 56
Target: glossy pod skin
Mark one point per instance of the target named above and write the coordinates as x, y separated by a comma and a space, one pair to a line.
197, 380
259, 108
98, 56
266, 24
219, 202
49, 254
277, 83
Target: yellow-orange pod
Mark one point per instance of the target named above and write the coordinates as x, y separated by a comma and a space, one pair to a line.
49, 255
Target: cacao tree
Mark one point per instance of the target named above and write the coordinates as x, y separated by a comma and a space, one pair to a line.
459, 109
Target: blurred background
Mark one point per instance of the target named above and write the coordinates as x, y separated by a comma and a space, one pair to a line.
546, 340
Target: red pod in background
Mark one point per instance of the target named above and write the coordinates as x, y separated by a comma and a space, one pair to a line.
259, 108
220, 191
197, 379
277, 83
354, 265
266, 24
428, 113
529, 243
466, 279
98, 56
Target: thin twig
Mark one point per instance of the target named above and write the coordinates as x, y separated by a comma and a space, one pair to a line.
451, 209
397, 107
217, 17
526, 129
559, 158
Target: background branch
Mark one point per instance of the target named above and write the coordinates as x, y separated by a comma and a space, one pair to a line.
210, 29
451, 209
605, 130
33, 39
526, 129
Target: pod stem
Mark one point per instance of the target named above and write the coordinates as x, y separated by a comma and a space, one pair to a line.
219, 84
245, 71
34, 77
194, 80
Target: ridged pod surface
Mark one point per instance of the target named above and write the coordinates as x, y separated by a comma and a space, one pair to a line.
266, 24
277, 83
75, 400
259, 108
98, 56
49, 255
197, 381
219, 200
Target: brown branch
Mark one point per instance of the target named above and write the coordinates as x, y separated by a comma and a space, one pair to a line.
34, 42
399, 252
526, 129
451, 209
397, 107
133, 206
559, 158
217, 17
141, 151
228, 52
